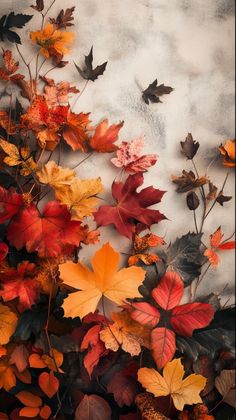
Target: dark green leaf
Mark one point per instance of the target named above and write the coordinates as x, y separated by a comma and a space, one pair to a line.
186, 256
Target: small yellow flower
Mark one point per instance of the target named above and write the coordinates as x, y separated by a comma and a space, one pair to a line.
52, 41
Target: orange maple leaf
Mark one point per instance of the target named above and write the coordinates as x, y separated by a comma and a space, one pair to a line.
216, 244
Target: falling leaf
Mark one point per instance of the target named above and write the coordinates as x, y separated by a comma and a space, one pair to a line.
56, 176
64, 18
105, 136
228, 152
131, 207
217, 244
8, 322
125, 333
183, 391
50, 232
7, 22
16, 156
80, 197
153, 92
48, 383
104, 280
88, 72
129, 157
188, 181
225, 384
189, 146
93, 407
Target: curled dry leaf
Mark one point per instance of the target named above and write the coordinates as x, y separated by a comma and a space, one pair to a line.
228, 152
183, 391
188, 181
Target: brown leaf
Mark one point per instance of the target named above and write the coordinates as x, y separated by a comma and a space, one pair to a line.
192, 200
221, 199
145, 403
212, 191
188, 181
153, 92
93, 407
225, 384
88, 72
189, 146
64, 18
39, 5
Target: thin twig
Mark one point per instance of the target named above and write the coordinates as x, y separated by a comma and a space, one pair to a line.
80, 94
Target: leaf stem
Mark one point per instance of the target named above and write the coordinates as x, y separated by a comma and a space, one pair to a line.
79, 95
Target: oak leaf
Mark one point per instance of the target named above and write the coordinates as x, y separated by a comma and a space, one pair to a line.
105, 136
104, 280
183, 391
130, 157
80, 197
131, 206
64, 18
50, 233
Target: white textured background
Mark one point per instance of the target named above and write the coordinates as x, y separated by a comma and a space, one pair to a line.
187, 44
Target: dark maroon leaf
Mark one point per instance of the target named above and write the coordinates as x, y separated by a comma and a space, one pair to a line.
212, 191
88, 73
124, 388
189, 146
192, 200
64, 18
153, 92
39, 5
221, 199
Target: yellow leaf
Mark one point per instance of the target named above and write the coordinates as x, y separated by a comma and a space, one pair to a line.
125, 333
11, 150
55, 176
16, 157
104, 280
8, 321
171, 383
80, 197
7, 377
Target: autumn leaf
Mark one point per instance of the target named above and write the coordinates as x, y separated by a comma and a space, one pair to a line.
52, 361
130, 158
80, 197
49, 383
29, 399
183, 391
8, 322
10, 66
153, 92
225, 384
189, 146
96, 349
228, 152
16, 156
6, 123
105, 136
131, 206
20, 283
52, 41
3, 250
142, 244
88, 72
56, 176
125, 333
93, 407
49, 233
39, 5
188, 181
64, 18
104, 280
124, 388
74, 131
57, 93
7, 22
7, 376
19, 357
217, 244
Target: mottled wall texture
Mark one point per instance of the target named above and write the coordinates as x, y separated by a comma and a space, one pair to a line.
187, 44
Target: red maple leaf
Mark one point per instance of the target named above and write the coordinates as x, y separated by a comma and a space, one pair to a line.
50, 233
10, 203
131, 207
19, 283
173, 318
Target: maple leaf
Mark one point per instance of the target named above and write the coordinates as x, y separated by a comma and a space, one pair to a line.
189, 146
49, 233
183, 391
90, 73
54, 175
188, 181
153, 92
104, 280
19, 283
74, 131
183, 319
10, 203
16, 156
6, 123
217, 244
93, 407
57, 93
7, 22
130, 158
10, 66
104, 137
141, 244
125, 333
131, 206
80, 197
64, 18
8, 322
228, 152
